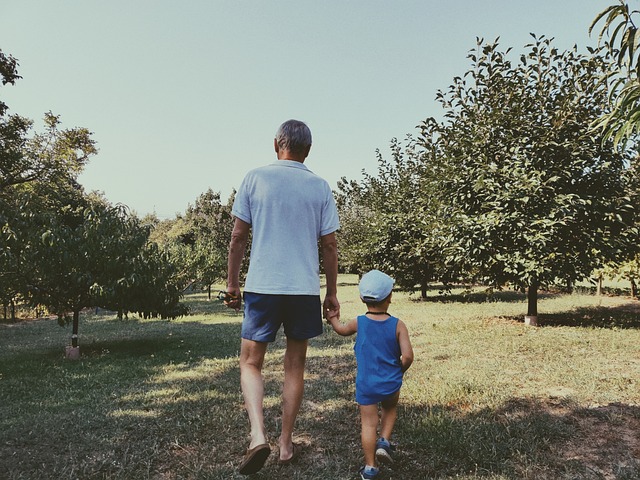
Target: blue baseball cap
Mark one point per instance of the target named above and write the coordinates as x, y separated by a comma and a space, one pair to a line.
375, 286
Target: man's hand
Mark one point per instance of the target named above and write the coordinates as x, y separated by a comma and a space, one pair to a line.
331, 307
233, 299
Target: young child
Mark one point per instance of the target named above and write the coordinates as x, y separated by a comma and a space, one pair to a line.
383, 353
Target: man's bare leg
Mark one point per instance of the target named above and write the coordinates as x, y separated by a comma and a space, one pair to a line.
251, 360
292, 391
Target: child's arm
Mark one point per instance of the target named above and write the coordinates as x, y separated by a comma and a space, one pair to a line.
344, 329
406, 350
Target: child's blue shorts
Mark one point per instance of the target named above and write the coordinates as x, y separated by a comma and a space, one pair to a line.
301, 316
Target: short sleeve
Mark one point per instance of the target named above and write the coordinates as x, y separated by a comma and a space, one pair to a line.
330, 220
241, 205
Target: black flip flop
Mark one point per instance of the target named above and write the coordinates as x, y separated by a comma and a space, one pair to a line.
254, 459
296, 452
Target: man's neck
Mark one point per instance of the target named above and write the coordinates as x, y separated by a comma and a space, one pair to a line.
299, 157
292, 160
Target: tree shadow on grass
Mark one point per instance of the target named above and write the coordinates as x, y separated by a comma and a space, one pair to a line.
198, 303
445, 441
200, 340
135, 338
622, 317
132, 406
523, 438
434, 441
486, 296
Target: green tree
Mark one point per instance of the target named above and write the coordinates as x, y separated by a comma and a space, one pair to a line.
60, 247
97, 254
13, 131
197, 242
531, 194
209, 224
37, 174
354, 236
9, 75
49, 157
618, 26
389, 221
629, 269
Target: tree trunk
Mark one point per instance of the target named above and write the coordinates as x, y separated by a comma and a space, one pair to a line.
569, 285
13, 311
73, 352
424, 286
209, 292
599, 290
74, 333
634, 288
532, 304
532, 299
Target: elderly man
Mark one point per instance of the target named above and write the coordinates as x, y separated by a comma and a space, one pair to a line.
288, 209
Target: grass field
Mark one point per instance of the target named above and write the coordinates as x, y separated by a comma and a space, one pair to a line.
486, 398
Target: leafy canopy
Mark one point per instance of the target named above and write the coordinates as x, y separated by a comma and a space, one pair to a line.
619, 34
531, 194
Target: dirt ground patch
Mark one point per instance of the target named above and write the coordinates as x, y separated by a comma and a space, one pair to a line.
607, 442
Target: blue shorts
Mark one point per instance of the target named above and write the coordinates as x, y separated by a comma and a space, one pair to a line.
301, 316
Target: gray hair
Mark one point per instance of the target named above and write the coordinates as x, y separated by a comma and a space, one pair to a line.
294, 136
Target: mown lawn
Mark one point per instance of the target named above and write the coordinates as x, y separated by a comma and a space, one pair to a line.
487, 396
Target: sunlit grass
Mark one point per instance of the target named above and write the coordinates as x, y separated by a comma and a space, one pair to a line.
487, 396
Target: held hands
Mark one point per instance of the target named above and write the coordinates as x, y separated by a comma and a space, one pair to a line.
334, 321
331, 308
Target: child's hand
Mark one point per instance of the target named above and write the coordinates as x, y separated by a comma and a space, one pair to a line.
333, 317
340, 328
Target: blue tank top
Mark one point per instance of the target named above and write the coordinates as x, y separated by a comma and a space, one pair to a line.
379, 371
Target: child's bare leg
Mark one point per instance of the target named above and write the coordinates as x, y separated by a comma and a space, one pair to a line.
389, 415
368, 436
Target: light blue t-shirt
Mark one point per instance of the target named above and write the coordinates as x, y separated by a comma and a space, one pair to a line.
289, 209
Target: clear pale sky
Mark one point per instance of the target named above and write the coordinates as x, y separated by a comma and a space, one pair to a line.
182, 96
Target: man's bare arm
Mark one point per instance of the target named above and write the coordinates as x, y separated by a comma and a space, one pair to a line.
329, 246
237, 247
